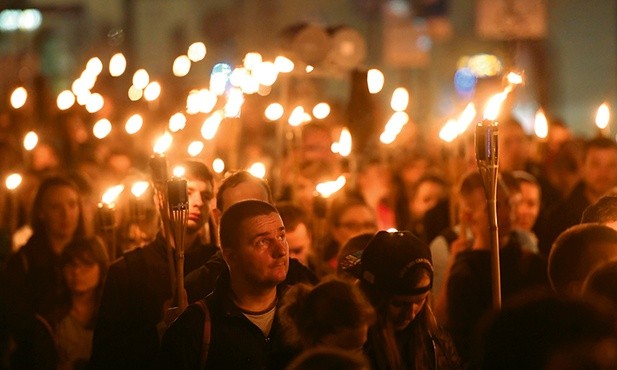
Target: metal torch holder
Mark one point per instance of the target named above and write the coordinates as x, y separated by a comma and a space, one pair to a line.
179, 213
488, 165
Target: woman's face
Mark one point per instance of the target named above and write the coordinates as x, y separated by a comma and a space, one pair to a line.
60, 211
82, 276
403, 309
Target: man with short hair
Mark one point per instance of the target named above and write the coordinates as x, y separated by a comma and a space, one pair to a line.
237, 187
603, 211
577, 252
242, 331
137, 290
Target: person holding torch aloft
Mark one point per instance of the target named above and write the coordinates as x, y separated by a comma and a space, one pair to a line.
138, 292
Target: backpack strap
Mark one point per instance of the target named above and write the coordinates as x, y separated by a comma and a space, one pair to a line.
207, 330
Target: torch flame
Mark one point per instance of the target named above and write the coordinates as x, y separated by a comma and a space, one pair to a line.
449, 131
13, 181
139, 188
179, 171
163, 143
540, 124
111, 195
466, 117
258, 169
344, 147
491, 111
514, 78
30, 140
400, 99
603, 116
375, 80
326, 189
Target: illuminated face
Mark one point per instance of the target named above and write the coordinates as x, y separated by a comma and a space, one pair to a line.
299, 241
426, 197
60, 212
599, 170
262, 257
199, 193
356, 220
527, 206
82, 276
403, 309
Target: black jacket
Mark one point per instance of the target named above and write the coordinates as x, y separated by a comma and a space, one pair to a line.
137, 285
235, 342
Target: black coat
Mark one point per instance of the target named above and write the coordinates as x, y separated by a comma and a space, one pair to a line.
137, 285
469, 287
235, 342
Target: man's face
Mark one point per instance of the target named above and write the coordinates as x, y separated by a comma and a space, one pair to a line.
354, 221
60, 212
600, 170
473, 211
299, 241
262, 256
199, 193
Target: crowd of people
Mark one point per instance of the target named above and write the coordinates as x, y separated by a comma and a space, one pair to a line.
393, 271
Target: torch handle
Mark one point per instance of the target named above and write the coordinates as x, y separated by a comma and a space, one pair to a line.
495, 263
163, 205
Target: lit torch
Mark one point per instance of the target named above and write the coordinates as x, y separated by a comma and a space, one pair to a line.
602, 119
158, 166
323, 191
106, 218
488, 163
179, 213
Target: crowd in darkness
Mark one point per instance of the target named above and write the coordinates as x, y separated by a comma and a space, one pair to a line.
393, 271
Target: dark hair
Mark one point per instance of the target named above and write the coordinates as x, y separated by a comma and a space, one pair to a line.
309, 314
292, 215
52, 182
602, 211
348, 260
197, 170
530, 331
326, 358
88, 250
236, 179
236, 214
602, 282
577, 251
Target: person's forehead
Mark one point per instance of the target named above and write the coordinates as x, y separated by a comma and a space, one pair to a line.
198, 184
256, 225
67, 191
